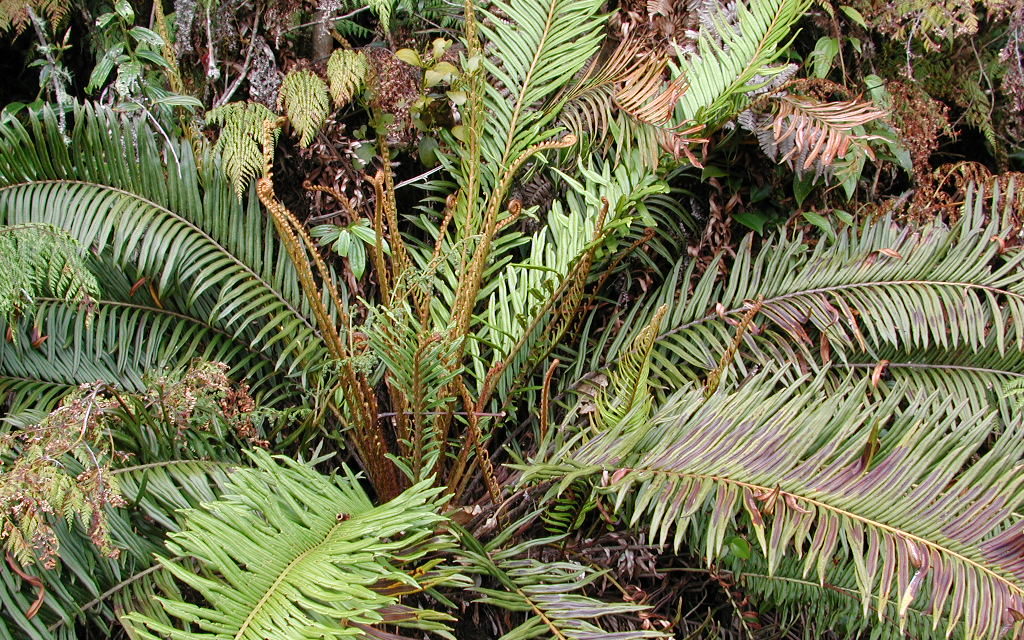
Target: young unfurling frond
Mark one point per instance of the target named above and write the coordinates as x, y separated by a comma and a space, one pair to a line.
305, 101
421, 366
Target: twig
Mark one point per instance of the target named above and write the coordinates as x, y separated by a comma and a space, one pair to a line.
230, 91
392, 414
422, 176
327, 19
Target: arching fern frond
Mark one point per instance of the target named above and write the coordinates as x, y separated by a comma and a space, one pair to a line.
809, 134
153, 218
915, 497
305, 101
295, 554
627, 398
878, 292
549, 593
537, 46
732, 59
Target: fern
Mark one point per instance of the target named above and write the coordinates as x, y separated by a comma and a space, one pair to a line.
346, 73
550, 593
305, 101
627, 400
15, 14
538, 48
291, 551
383, 9
186, 268
808, 134
421, 366
920, 512
40, 259
240, 141
733, 59
1013, 390
873, 292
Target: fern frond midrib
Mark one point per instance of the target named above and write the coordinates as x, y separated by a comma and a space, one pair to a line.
928, 366
163, 464
845, 591
540, 614
280, 579
127, 582
840, 287
514, 120
5, 376
174, 314
184, 221
768, 489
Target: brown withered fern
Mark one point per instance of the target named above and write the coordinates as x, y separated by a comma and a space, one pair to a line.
17, 14
810, 135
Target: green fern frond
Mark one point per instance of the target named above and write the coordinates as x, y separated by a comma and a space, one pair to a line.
383, 9
566, 512
240, 142
732, 59
529, 309
305, 101
535, 48
351, 30
346, 72
421, 366
171, 241
294, 554
549, 593
873, 293
1013, 390
40, 259
922, 511
626, 401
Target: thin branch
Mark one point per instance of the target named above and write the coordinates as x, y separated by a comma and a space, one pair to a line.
327, 19
230, 91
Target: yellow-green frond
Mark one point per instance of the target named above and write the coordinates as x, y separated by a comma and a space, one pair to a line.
346, 72
305, 101
241, 136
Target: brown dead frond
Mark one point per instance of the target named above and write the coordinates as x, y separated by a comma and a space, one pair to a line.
632, 81
806, 133
590, 102
641, 95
